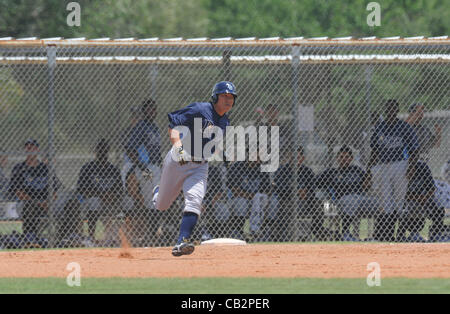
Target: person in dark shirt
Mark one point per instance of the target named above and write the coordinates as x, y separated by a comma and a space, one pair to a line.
305, 188
101, 180
250, 188
347, 186
419, 204
394, 147
30, 184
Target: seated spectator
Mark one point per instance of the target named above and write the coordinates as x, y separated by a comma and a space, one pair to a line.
100, 181
305, 188
347, 185
420, 203
250, 188
30, 184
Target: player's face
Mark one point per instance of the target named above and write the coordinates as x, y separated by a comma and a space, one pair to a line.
224, 103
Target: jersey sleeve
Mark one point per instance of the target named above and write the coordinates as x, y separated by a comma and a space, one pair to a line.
182, 116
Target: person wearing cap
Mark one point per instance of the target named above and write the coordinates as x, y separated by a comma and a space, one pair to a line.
100, 184
392, 164
143, 151
348, 185
30, 184
427, 140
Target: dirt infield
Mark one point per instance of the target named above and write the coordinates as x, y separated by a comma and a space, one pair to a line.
283, 260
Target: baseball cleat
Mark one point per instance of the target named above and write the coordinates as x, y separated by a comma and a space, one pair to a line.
184, 248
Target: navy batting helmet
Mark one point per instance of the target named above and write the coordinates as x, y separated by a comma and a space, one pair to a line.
223, 87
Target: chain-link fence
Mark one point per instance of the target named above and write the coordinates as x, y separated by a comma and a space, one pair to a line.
84, 132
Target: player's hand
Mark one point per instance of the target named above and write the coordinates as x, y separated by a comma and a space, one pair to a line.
179, 155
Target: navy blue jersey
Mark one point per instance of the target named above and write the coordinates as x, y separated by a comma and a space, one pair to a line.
34, 181
209, 118
248, 178
342, 181
393, 142
145, 140
422, 181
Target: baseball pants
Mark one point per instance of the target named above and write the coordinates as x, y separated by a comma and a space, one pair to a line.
190, 177
390, 184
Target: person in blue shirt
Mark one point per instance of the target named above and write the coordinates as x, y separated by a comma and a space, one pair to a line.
185, 167
394, 153
143, 146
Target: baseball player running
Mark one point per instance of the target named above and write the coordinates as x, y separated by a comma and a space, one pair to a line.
180, 173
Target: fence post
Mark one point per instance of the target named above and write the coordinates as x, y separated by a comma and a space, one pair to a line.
293, 211
51, 61
227, 65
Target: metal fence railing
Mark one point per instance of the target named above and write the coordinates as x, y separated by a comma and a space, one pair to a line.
60, 98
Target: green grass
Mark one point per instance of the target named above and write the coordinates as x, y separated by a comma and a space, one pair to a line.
223, 285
